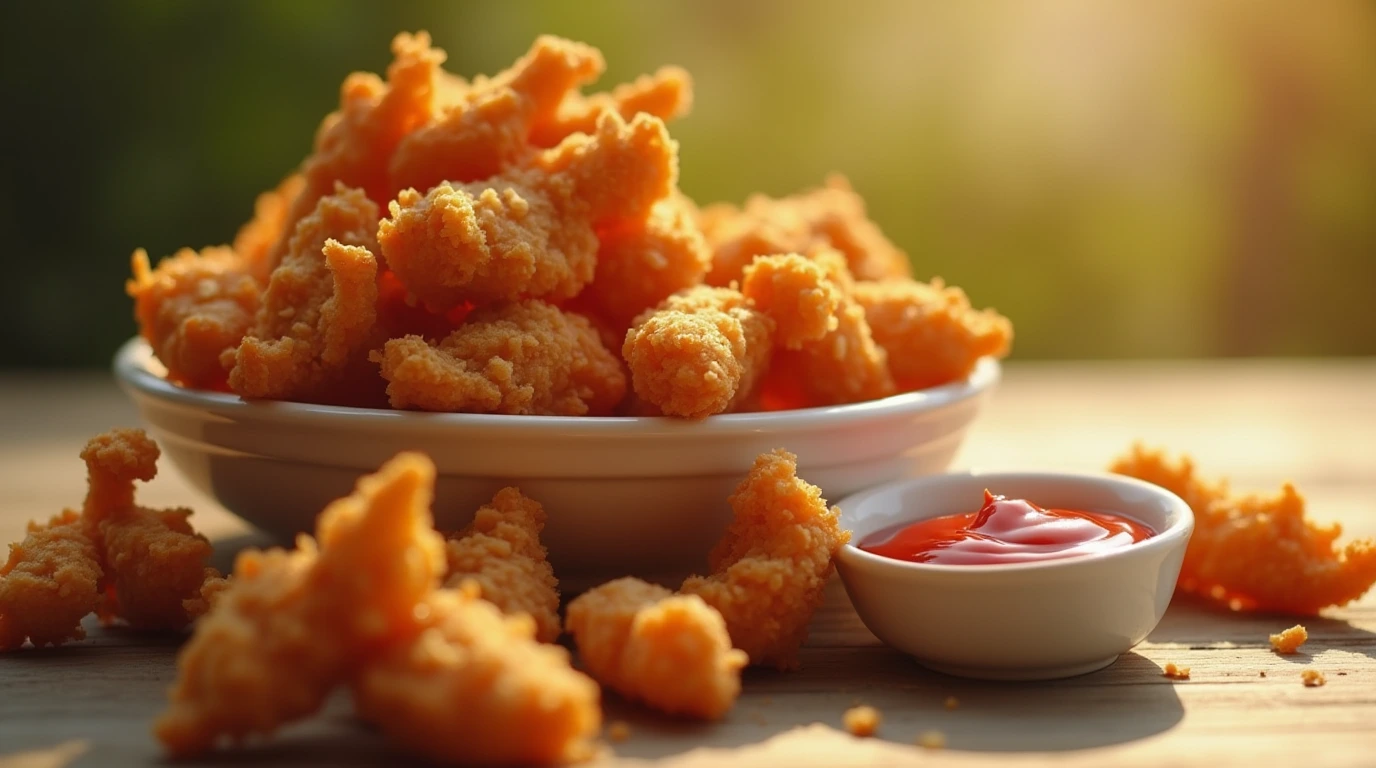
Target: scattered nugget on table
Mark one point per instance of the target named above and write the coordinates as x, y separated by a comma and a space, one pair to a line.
862, 720
1290, 640
501, 552
670, 652
770, 567
1312, 678
1255, 551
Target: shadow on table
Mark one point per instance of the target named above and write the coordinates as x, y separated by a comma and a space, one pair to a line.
1126, 702
1201, 625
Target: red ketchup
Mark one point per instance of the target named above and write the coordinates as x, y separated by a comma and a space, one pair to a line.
1006, 531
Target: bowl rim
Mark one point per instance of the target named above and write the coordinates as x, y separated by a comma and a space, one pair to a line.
134, 370
1177, 534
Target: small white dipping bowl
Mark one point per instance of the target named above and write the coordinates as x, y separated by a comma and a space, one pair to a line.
1020, 621
643, 496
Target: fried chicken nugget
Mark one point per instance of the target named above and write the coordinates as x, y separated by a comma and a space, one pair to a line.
488, 130
666, 94
354, 144
931, 333
49, 584
500, 551
797, 293
844, 366
523, 358
1257, 552
699, 353
770, 568
311, 336
192, 308
671, 652
832, 215
291, 625
530, 232
476, 688
152, 558
641, 263
256, 238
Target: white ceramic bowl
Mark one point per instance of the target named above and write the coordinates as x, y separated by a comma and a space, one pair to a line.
642, 496
1023, 621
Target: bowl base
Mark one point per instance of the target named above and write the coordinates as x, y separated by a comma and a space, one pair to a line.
1017, 674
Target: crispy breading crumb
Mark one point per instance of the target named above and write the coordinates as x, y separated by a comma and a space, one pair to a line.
1290, 640
1176, 672
1312, 678
952, 702
931, 740
1263, 673
862, 720
618, 731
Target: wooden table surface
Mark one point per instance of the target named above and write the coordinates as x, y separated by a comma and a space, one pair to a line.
1258, 422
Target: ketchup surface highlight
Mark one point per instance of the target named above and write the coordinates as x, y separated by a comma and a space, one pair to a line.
1006, 531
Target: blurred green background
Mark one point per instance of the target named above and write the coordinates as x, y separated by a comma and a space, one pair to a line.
1163, 179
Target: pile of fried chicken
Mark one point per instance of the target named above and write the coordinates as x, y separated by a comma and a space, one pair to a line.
510, 245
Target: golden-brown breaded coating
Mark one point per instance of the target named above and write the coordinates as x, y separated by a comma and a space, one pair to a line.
797, 293
191, 309
641, 263
294, 624
200, 603
256, 238
500, 551
255, 661
931, 333
48, 584
1257, 552
832, 215
769, 569
487, 131
474, 243
152, 559
311, 336
354, 144
529, 232
666, 94
699, 353
844, 366
523, 358
476, 688
670, 652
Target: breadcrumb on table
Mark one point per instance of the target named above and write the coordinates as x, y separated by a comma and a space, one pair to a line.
1312, 678
1175, 672
862, 721
1290, 640
931, 740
